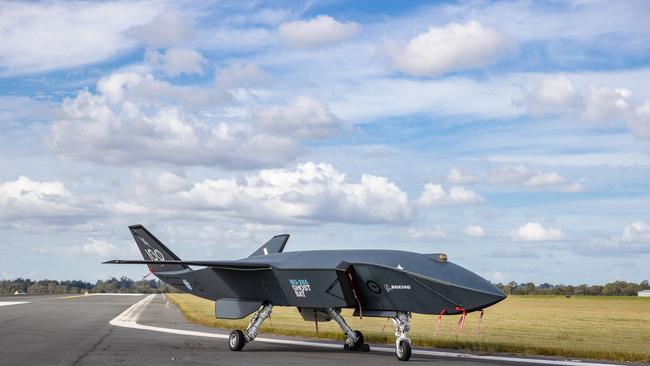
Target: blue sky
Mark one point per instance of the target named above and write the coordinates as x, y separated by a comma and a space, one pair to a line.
512, 135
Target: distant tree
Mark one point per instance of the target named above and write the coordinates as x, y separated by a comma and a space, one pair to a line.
530, 288
508, 289
612, 288
570, 290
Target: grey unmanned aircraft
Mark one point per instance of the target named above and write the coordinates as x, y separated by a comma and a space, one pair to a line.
376, 283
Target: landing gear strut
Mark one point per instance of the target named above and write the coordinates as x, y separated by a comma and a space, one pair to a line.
353, 338
402, 343
238, 338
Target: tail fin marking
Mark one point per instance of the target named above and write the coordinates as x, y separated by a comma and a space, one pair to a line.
154, 250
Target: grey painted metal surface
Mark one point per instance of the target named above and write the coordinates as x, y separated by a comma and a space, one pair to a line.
235, 308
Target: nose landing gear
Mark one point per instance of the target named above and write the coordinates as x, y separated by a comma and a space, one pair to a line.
402, 343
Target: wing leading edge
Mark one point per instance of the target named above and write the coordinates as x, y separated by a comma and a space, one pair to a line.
235, 265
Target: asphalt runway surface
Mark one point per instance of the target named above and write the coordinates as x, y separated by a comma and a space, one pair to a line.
51, 330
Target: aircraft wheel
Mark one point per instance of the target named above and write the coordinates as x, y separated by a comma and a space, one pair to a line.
236, 341
357, 345
403, 351
363, 347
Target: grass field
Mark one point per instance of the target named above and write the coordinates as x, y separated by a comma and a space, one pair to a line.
612, 328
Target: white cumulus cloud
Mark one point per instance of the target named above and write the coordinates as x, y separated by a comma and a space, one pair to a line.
94, 248
427, 233
510, 173
544, 179
307, 193
534, 231
558, 95
239, 75
633, 240
552, 94
303, 117
604, 104
457, 176
452, 47
318, 31
435, 195
45, 36
118, 125
475, 231
639, 121
167, 29
637, 232
27, 199
164, 182
534, 179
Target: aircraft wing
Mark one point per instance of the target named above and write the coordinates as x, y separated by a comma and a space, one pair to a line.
236, 265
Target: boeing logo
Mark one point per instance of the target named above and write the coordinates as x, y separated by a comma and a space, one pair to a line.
390, 288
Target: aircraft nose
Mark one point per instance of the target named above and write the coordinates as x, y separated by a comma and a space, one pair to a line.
460, 288
476, 293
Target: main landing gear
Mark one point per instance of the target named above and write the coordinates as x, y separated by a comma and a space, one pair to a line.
353, 338
402, 343
238, 339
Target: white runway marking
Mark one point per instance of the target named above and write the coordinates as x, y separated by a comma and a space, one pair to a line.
129, 318
116, 294
7, 303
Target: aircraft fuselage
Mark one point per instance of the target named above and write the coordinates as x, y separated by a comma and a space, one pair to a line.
373, 280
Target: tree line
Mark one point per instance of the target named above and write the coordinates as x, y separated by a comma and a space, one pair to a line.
616, 288
112, 285
127, 285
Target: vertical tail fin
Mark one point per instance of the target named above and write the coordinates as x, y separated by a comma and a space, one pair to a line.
275, 245
153, 249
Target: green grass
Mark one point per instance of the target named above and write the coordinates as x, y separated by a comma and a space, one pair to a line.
611, 328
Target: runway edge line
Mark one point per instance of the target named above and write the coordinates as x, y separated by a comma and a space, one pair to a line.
9, 303
129, 319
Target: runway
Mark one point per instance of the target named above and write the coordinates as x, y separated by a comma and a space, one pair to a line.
49, 330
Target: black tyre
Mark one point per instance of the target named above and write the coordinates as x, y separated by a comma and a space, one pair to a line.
360, 340
403, 351
357, 345
237, 340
